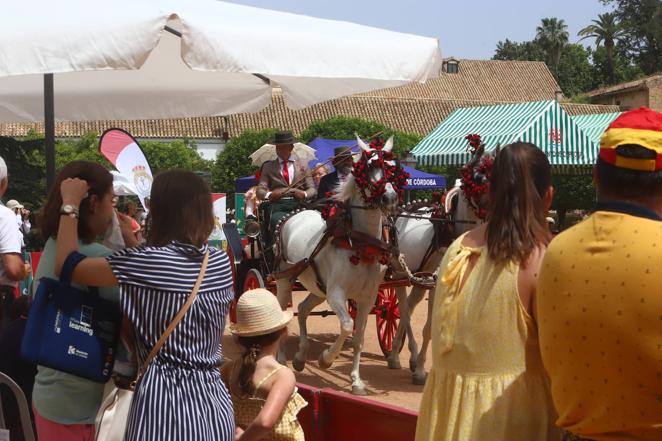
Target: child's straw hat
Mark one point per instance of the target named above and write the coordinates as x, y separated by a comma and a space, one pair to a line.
258, 313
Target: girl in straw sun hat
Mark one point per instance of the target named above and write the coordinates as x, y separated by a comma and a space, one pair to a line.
264, 394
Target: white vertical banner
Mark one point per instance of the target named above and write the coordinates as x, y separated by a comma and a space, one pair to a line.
219, 203
124, 152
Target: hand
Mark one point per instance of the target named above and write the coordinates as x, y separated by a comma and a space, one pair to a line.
73, 191
276, 194
300, 194
28, 269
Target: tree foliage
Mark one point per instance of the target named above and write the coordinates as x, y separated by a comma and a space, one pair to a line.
343, 127
552, 35
642, 42
26, 161
234, 162
575, 73
579, 68
607, 30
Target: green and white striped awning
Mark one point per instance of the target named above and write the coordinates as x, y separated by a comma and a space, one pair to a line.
542, 123
595, 125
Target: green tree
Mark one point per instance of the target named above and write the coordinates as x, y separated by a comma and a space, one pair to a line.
642, 20
623, 70
575, 74
234, 162
572, 192
607, 30
177, 154
552, 34
524, 51
344, 127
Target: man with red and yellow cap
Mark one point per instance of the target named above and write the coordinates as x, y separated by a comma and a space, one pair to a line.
600, 295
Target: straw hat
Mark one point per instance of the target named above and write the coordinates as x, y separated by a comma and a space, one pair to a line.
258, 313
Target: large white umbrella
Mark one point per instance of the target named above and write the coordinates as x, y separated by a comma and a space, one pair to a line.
129, 59
267, 152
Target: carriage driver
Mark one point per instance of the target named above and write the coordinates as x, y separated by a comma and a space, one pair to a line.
277, 177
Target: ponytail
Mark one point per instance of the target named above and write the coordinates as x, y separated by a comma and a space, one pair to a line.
517, 221
248, 364
252, 348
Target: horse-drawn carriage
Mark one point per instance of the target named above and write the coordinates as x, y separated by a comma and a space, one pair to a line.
253, 266
341, 254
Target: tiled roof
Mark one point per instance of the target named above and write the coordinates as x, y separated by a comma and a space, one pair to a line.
416, 108
409, 115
485, 81
642, 82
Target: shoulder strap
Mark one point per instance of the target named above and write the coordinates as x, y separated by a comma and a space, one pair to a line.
173, 324
266, 377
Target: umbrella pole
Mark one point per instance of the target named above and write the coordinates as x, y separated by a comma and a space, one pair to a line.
49, 129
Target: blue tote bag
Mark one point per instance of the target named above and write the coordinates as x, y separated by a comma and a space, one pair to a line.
72, 330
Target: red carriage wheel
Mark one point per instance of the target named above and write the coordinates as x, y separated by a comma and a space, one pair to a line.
387, 317
253, 280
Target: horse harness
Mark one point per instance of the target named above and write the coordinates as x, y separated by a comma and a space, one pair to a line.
339, 232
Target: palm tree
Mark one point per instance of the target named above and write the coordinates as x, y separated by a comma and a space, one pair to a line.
552, 34
606, 30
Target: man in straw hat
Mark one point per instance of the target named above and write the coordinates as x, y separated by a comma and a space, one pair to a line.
342, 162
285, 180
599, 304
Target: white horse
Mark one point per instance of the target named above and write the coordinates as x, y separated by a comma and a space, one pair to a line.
414, 237
339, 278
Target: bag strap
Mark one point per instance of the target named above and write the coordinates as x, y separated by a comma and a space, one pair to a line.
173, 324
70, 264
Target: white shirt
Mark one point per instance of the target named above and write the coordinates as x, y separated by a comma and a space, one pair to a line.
290, 168
11, 240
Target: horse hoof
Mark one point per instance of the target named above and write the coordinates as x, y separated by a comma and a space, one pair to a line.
298, 365
419, 379
323, 364
412, 366
393, 363
359, 391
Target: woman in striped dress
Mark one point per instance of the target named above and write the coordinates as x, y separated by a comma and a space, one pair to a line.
181, 396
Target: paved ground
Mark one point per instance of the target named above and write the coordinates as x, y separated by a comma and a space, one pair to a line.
383, 384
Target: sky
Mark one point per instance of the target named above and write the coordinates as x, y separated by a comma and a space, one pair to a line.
465, 28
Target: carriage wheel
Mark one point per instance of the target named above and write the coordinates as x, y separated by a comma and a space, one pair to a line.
387, 317
253, 280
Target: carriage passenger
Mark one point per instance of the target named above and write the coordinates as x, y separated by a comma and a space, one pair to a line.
284, 181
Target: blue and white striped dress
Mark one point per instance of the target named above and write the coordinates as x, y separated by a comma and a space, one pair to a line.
181, 396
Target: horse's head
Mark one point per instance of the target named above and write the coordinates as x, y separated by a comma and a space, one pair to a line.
476, 175
377, 176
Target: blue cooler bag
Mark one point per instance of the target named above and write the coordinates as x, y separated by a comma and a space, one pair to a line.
71, 330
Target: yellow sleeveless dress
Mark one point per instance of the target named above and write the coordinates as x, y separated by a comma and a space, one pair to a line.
487, 381
246, 409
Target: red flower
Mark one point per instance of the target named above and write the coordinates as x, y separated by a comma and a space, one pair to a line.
355, 260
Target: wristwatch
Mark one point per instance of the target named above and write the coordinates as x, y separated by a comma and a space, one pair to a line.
69, 210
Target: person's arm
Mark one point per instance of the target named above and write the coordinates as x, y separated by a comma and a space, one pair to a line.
15, 268
279, 394
310, 189
94, 271
263, 185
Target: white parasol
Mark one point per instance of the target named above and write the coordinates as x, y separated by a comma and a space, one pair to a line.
268, 153
139, 59
76, 60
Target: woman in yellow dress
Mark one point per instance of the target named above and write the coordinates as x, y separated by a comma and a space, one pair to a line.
487, 382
